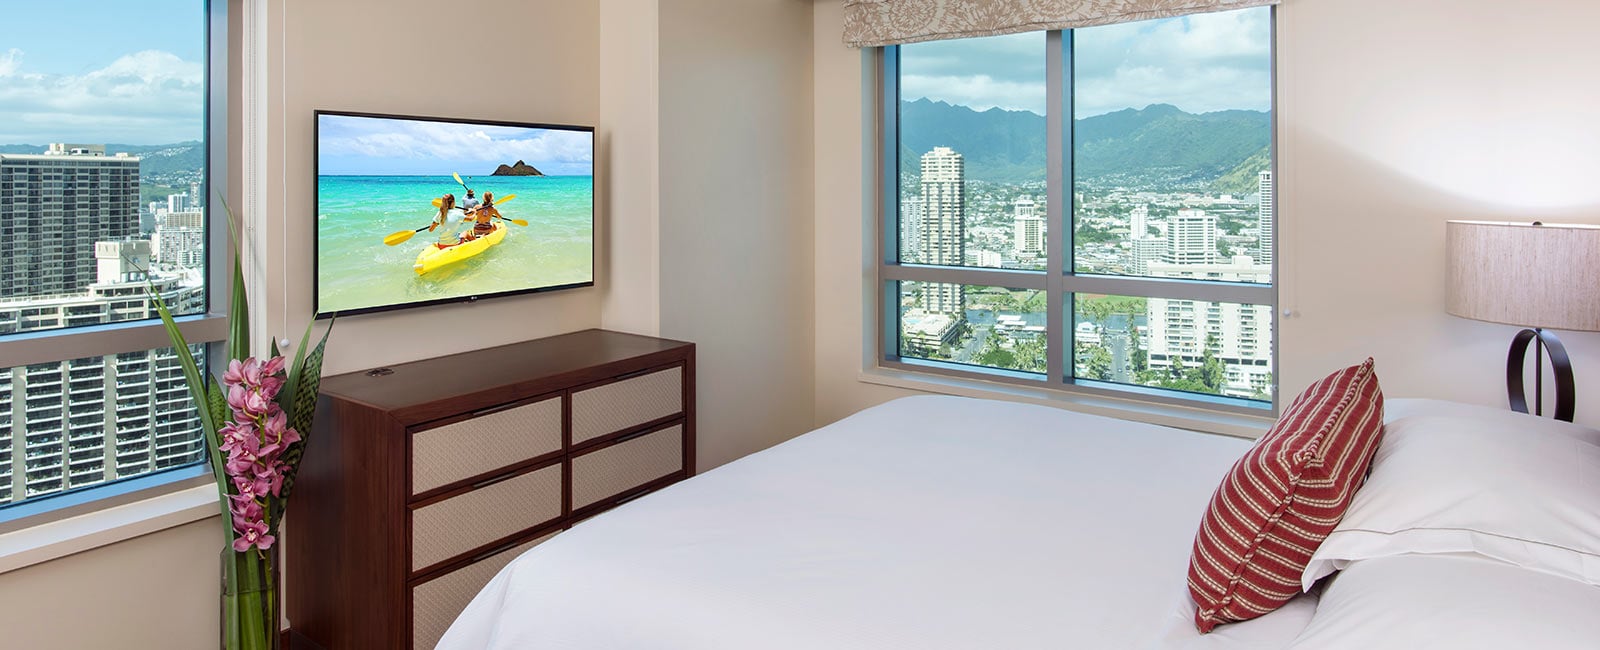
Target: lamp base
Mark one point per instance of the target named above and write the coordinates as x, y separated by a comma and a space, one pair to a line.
1566, 392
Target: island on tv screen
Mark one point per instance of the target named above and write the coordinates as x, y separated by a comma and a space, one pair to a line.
402, 217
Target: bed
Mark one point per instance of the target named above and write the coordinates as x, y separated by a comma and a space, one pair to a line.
927, 522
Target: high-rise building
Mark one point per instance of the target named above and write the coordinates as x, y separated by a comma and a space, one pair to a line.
177, 202
54, 207
180, 240
1264, 223
1144, 251
1139, 222
944, 227
197, 201
85, 421
911, 229
1179, 329
1191, 238
1028, 225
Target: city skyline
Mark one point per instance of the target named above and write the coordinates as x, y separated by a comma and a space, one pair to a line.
1195, 346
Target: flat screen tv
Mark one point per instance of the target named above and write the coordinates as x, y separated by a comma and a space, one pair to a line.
387, 238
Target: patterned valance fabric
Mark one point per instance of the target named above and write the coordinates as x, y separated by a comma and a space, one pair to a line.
871, 23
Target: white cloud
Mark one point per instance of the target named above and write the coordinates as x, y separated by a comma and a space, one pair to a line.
1200, 63
148, 97
9, 62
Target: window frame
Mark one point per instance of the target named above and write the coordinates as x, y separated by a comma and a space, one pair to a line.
209, 329
1058, 281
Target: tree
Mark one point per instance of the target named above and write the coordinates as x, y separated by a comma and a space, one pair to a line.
1096, 362
1136, 351
1096, 310
1211, 374
1035, 302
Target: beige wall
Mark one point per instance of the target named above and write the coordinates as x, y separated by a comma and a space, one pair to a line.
735, 214
1387, 127
629, 141
157, 591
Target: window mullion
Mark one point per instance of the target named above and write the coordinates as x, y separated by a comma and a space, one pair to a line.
1058, 175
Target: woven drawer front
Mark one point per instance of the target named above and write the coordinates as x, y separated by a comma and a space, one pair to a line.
471, 447
630, 402
615, 469
443, 530
435, 604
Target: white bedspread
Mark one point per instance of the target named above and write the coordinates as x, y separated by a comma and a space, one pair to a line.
924, 523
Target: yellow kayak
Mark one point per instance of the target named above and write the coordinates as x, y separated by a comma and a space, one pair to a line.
433, 257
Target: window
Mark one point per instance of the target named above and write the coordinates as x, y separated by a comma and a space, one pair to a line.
1087, 210
111, 133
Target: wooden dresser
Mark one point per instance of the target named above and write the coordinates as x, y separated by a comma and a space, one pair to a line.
422, 480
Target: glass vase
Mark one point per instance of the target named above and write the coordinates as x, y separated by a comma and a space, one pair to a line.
250, 599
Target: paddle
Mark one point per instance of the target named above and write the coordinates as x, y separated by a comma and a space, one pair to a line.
395, 239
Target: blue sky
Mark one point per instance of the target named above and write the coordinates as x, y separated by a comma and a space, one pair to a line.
100, 71
397, 147
1199, 63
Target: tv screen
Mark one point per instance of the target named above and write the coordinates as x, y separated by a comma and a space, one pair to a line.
421, 210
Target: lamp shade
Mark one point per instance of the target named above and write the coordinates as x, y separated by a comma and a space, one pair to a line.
1525, 274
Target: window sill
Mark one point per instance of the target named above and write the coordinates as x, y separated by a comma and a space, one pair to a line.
55, 539
1192, 418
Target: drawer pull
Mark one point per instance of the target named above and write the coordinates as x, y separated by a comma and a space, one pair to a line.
497, 408
636, 373
493, 552
631, 497
631, 436
494, 479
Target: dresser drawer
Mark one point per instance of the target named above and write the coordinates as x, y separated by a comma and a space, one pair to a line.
452, 452
612, 471
435, 604
612, 407
442, 530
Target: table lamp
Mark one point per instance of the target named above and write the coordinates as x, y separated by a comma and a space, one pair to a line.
1534, 275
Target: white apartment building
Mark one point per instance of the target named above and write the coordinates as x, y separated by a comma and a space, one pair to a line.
1028, 227
1264, 218
86, 421
180, 240
1191, 237
1180, 328
1144, 251
943, 226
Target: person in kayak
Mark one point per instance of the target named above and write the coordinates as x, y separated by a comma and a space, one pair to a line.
444, 221
484, 216
470, 203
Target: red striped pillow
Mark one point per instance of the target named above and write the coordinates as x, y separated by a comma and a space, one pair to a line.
1283, 498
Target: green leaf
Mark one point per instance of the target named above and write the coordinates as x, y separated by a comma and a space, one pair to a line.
239, 307
217, 403
304, 407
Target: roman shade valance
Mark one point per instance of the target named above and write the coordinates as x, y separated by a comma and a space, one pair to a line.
871, 23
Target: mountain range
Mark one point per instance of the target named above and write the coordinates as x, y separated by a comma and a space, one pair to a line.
1159, 144
157, 161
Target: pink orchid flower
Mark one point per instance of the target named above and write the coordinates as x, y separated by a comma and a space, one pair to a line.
253, 534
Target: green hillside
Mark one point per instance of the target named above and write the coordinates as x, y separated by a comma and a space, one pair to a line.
1245, 178
1159, 142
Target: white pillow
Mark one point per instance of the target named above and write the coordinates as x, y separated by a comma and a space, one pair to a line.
1454, 602
1507, 486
